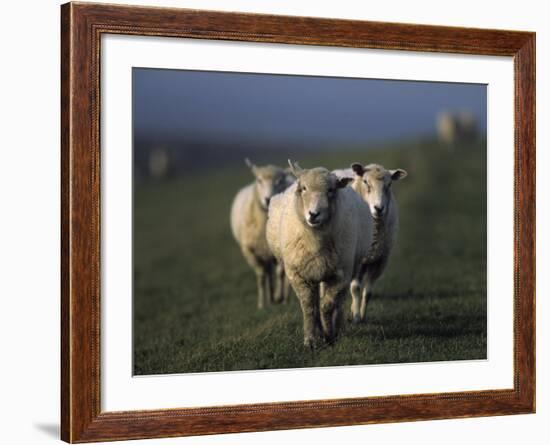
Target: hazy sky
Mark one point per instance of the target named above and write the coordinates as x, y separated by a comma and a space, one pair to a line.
233, 107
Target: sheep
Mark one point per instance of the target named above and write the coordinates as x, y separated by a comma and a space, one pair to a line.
319, 229
248, 224
374, 184
159, 163
456, 127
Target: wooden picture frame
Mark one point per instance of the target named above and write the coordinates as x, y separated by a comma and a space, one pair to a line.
82, 25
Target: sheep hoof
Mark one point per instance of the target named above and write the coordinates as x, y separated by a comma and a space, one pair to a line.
311, 343
356, 319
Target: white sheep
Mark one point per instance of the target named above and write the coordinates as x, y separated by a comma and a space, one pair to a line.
319, 229
374, 184
453, 128
248, 224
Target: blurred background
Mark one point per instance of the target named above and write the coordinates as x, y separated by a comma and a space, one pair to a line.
194, 296
185, 120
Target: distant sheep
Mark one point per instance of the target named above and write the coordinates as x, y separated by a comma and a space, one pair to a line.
319, 229
374, 184
159, 163
248, 224
455, 128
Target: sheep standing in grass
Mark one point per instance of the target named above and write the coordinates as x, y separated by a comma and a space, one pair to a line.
374, 184
454, 128
248, 223
319, 229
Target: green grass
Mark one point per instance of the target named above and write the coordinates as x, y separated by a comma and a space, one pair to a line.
195, 297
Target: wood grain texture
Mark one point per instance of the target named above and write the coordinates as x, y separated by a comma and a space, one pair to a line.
65, 225
81, 28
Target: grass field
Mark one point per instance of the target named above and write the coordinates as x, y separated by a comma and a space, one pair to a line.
195, 297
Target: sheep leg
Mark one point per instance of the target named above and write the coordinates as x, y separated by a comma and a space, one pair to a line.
308, 295
321, 290
355, 290
330, 310
337, 316
286, 289
365, 297
373, 271
279, 283
261, 275
261, 278
269, 284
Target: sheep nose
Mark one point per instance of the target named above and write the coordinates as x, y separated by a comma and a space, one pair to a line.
267, 201
379, 209
313, 215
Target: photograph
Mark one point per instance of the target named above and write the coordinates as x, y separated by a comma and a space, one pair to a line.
290, 221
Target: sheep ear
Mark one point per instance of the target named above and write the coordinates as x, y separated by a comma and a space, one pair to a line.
289, 177
295, 169
358, 169
343, 182
250, 165
397, 174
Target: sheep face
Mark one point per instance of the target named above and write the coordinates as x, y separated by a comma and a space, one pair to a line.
316, 190
373, 182
270, 180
